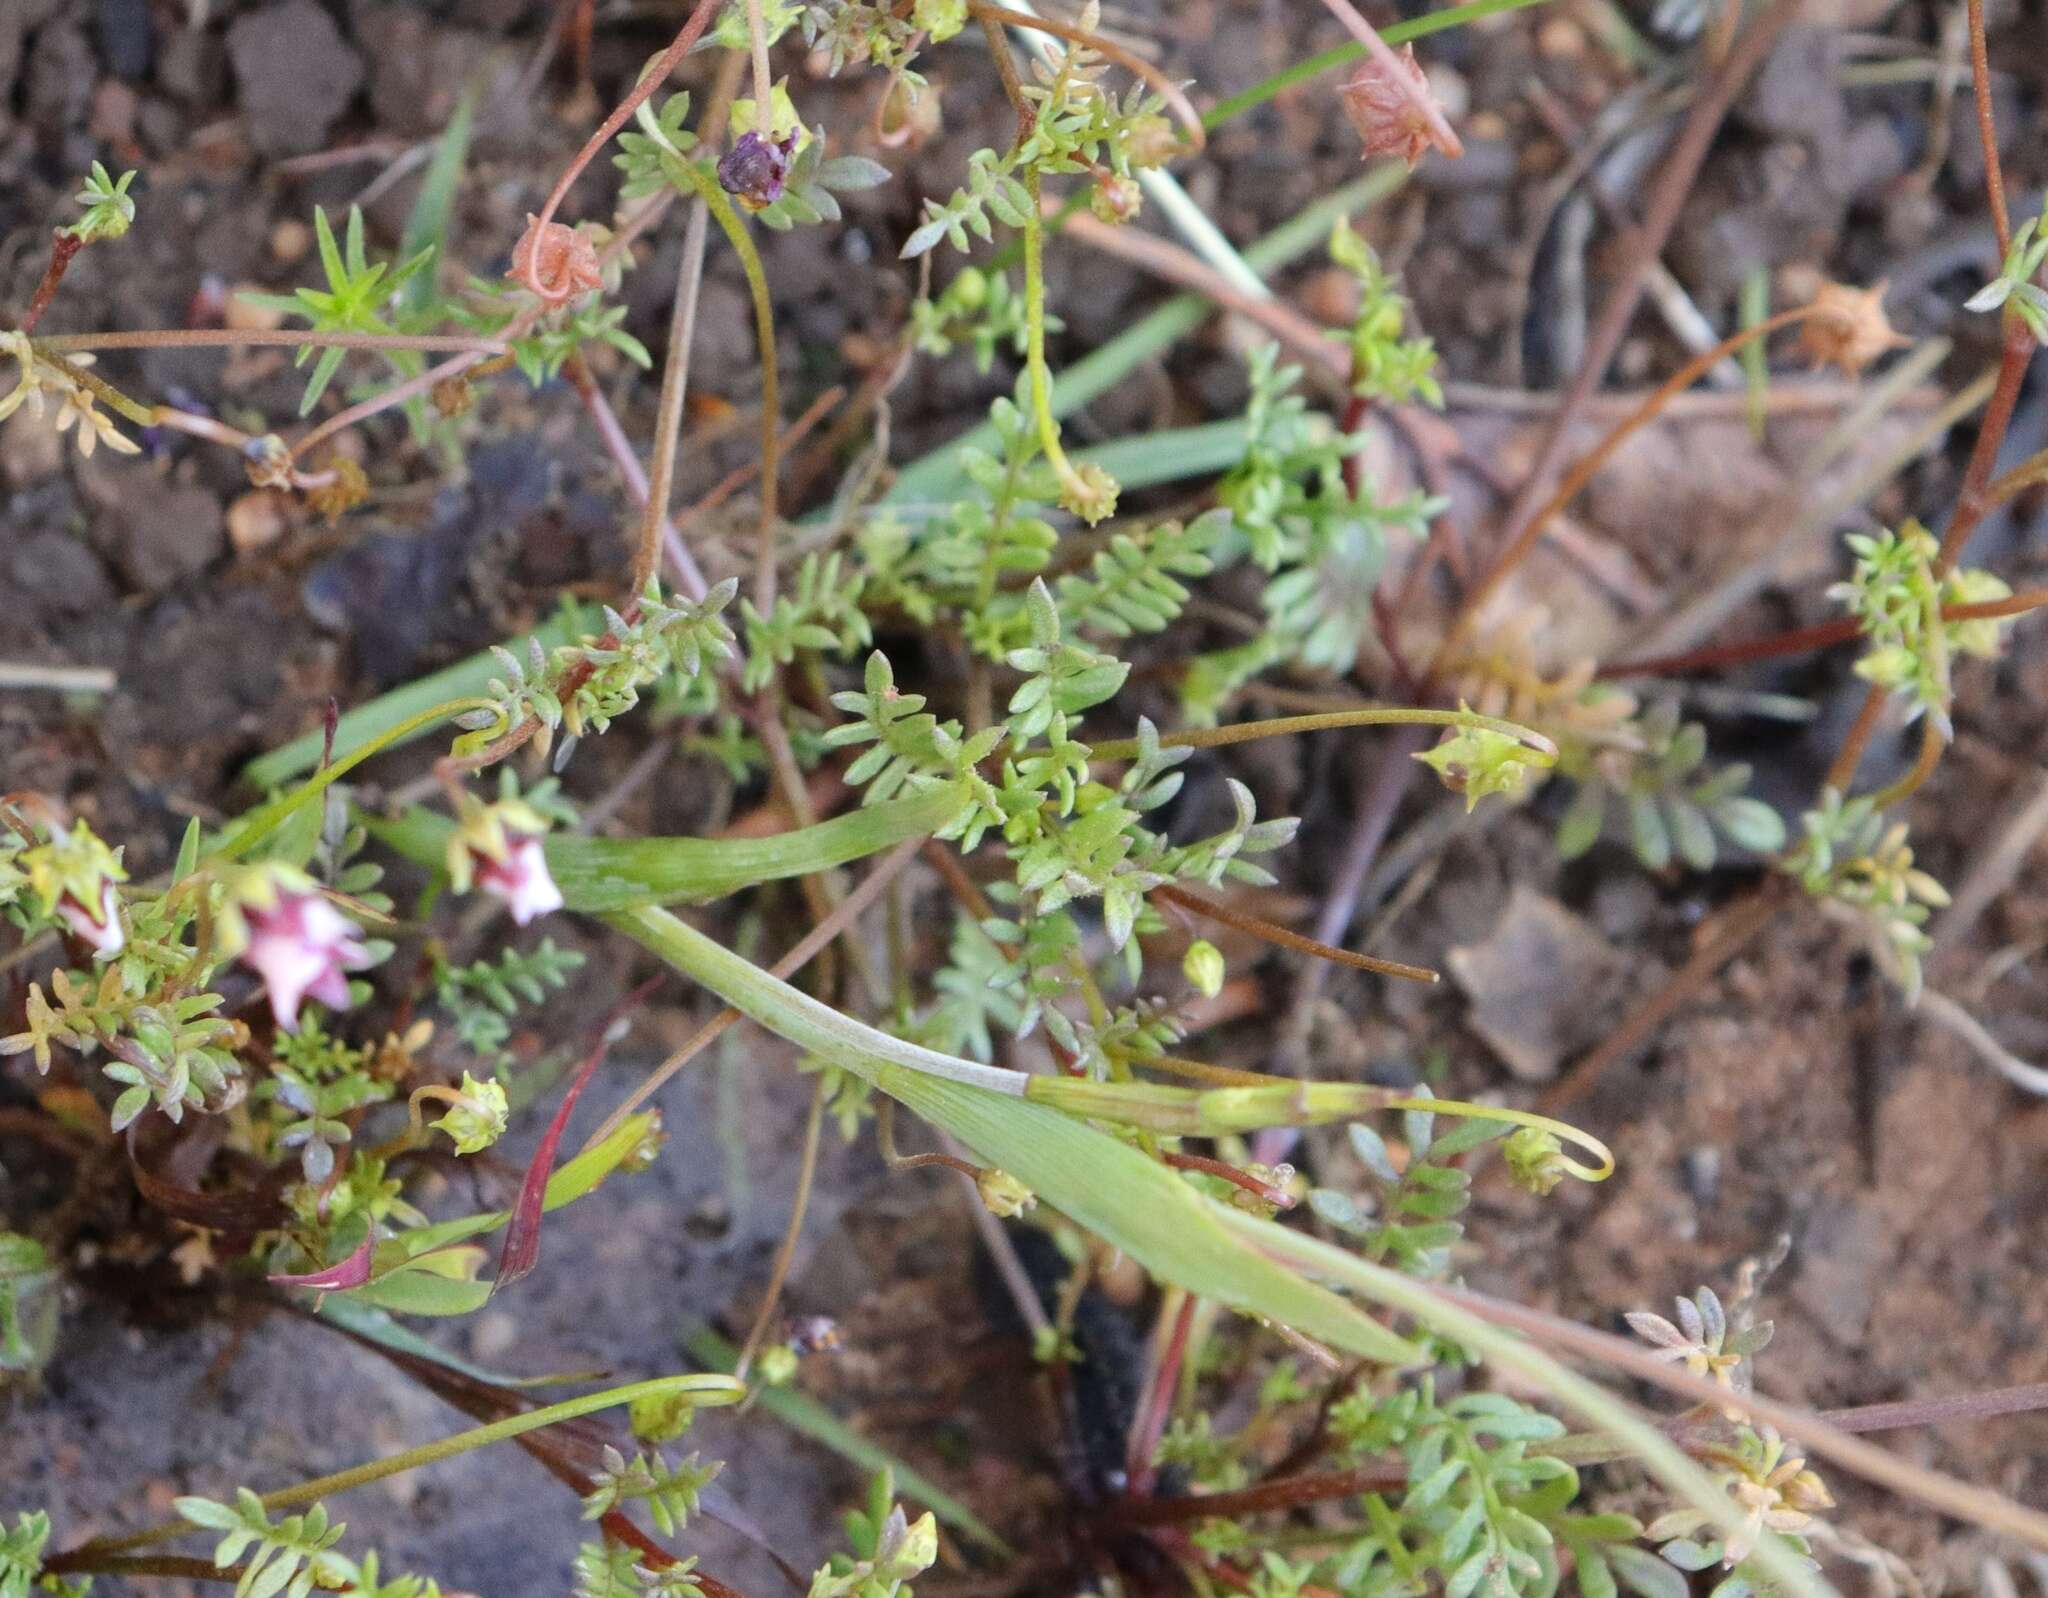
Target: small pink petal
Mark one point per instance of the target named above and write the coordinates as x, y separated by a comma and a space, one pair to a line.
303, 946
522, 880
104, 931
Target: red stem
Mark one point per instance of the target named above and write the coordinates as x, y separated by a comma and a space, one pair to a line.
1230, 1173
63, 246
1151, 1424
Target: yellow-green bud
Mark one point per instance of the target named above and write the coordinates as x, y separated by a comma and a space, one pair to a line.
1203, 966
1535, 1159
1005, 1196
476, 1116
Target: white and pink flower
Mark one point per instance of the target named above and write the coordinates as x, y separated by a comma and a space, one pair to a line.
521, 879
303, 948
73, 873
100, 926
497, 847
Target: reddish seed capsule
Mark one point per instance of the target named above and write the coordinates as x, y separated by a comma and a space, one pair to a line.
555, 262
1390, 104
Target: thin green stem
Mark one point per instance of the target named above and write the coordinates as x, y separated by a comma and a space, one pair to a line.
736, 234
1034, 312
704, 1390
1285, 726
261, 822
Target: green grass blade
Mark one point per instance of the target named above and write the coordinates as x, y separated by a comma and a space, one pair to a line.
809, 1418
426, 225
1213, 1250
1131, 1201
604, 874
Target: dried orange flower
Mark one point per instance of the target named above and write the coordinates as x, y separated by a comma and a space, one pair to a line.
453, 396
1847, 328
1390, 104
346, 487
555, 261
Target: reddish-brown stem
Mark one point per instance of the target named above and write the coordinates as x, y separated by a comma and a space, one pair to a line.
1991, 1402
1974, 501
1793, 641
1282, 938
1251, 1184
1646, 243
1583, 470
653, 78
1798, 640
63, 246
1287, 1492
1168, 261
1987, 130
1150, 1425
1738, 927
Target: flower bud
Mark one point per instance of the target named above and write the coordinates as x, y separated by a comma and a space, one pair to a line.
476, 1116
1535, 1159
1005, 1196
1847, 327
1392, 107
1203, 966
1115, 200
755, 170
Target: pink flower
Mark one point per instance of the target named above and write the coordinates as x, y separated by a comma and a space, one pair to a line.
520, 878
103, 931
302, 947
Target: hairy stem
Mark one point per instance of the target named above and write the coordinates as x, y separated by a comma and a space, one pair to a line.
64, 245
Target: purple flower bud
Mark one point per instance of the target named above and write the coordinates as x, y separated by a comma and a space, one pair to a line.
755, 169
521, 879
302, 947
